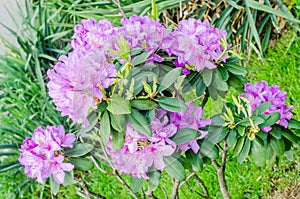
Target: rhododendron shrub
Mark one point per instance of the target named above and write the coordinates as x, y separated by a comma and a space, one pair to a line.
139, 92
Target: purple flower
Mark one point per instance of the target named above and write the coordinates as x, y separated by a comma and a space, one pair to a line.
140, 152
198, 44
91, 34
41, 156
191, 118
259, 93
143, 32
74, 83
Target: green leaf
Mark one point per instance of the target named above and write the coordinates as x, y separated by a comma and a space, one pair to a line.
118, 122
83, 164
217, 120
169, 79
200, 87
274, 117
207, 76
268, 9
239, 146
69, 178
216, 135
236, 69
195, 159
290, 136
79, 149
139, 123
269, 153
245, 151
118, 139
258, 152
223, 72
102, 107
276, 132
93, 120
294, 124
218, 83
185, 135
136, 184
231, 138
139, 59
277, 145
241, 130
174, 168
171, 104
118, 105
105, 128
209, 150
154, 177
253, 27
54, 186
261, 108
289, 155
143, 105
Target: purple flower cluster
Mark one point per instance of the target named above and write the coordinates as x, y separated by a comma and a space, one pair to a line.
91, 34
145, 33
191, 118
140, 152
41, 155
197, 43
259, 93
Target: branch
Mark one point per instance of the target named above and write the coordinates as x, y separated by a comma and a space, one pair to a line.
126, 186
117, 2
175, 189
150, 194
220, 172
203, 187
87, 194
204, 101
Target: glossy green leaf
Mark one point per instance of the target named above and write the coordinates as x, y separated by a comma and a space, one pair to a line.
139, 59
105, 128
289, 155
184, 135
276, 132
154, 178
245, 151
93, 120
239, 145
169, 79
290, 136
143, 105
174, 168
54, 186
258, 152
69, 178
139, 123
195, 159
223, 72
207, 149
236, 69
277, 145
118, 122
118, 105
207, 76
273, 118
294, 124
171, 104
218, 83
79, 149
118, 139
83, 164
216, 135
261, 108
136, 184
231, 138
